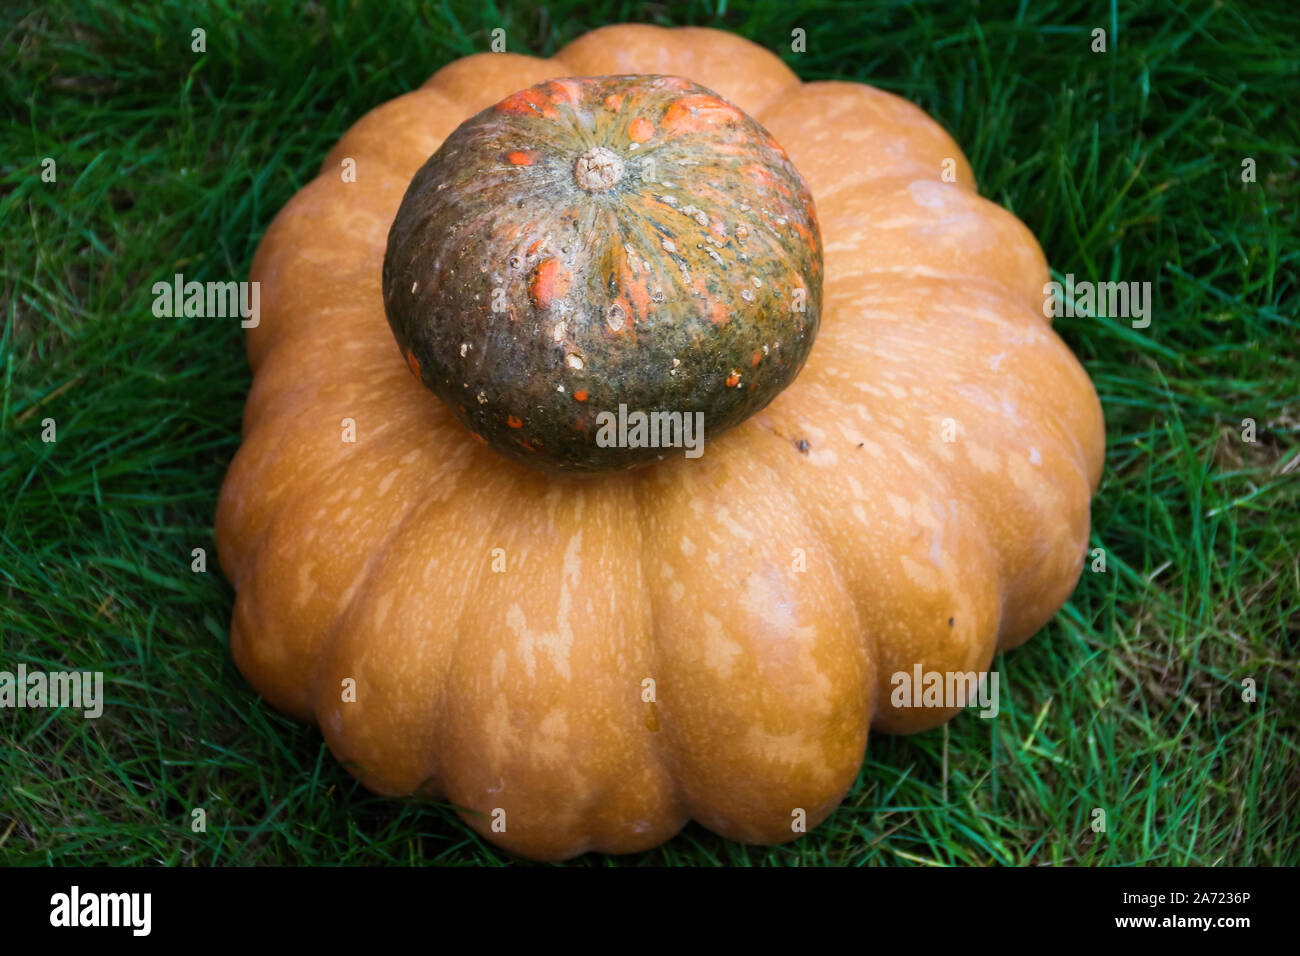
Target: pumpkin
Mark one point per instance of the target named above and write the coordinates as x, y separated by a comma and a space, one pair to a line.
588, 662
596, 242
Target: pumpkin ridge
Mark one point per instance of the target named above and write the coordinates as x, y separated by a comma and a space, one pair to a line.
944, 232
662, 751
1047, 430
432, 784
805, 132
658, 748
289, 247
805, 748
824, 522
378, 553
823, 544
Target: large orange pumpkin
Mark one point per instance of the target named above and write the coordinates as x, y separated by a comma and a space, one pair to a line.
588, 662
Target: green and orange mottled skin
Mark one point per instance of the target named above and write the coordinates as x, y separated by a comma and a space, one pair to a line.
592, 242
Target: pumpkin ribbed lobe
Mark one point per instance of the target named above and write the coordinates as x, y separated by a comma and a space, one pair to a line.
597, 243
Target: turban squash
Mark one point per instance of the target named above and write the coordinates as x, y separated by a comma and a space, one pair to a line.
587, 662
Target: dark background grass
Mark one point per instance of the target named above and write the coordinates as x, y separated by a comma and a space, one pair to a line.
1126, 165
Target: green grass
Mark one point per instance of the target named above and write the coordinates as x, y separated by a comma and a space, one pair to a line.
1126, 165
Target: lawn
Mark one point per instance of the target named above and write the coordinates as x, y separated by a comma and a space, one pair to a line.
1128, 166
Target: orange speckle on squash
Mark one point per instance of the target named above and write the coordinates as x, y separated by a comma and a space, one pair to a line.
803, 232
565, 90
719, 314
580, 395
514, 422
733, 379
757, 175
698, 112
775, 147
534, 247
640, 130
528, 102
549, 282
755, 359
613, 102
521, 157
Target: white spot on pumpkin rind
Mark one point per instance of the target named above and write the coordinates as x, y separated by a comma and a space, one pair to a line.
550, 741
558, 643
720, 653
902, 507
982, 458
382, 609
923, 576
306, 589
823, 457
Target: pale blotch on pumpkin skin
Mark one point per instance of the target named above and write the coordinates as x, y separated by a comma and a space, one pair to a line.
902, 507
550, 742
720, 653
985, 460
